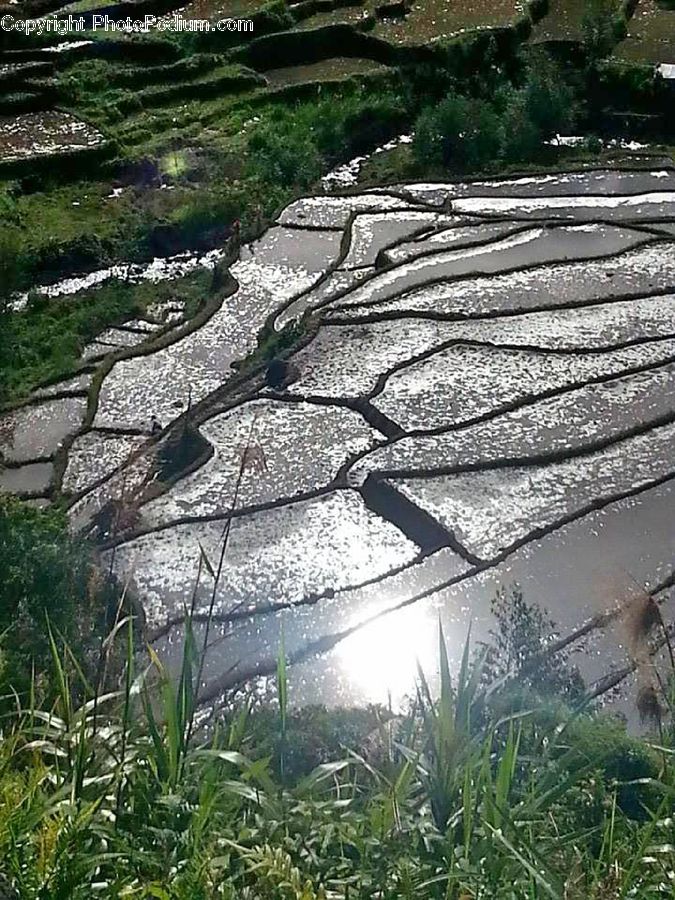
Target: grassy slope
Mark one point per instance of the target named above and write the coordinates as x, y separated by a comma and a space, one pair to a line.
45, 341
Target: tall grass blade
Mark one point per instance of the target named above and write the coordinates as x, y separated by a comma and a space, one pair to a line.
282, 692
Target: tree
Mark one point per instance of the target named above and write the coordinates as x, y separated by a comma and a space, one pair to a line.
601, 27
516, 653
550, 102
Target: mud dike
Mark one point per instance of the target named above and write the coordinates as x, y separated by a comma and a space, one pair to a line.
483, 394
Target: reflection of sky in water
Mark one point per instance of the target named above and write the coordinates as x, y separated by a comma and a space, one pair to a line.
380, 660
574, 573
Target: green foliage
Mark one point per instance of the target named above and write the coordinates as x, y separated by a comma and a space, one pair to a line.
549, 100
44, 576
522, 137
372, 125
517, 651
467, 133
282, 158
293, 146
123, 795
314, 735
603, 25
460, 131
10, 280
11, 269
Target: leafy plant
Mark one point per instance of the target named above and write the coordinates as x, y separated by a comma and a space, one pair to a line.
603, 25
460, 131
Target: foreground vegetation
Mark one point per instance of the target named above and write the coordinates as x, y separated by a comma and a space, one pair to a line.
115, 783
124, 796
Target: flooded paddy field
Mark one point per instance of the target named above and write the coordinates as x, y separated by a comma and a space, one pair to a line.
45, 134
479, 393
334, 69
564, 22
651, 35
428, 20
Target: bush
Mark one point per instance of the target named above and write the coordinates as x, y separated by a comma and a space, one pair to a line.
460, 131
45, 576
593, 144
522, 138
513, 125
287, 159
314, 736
549, 101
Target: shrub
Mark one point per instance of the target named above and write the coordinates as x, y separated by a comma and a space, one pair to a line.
549, 101
593, 144
522, 138
460, 131
206, 211
287, 159
514, 124
45, 575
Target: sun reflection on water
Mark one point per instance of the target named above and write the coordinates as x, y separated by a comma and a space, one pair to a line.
380, 660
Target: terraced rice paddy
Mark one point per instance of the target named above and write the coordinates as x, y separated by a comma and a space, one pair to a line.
651, 35
357, 15
45, 134
335, 69
475, 403
430, 19
563, 22
189, 86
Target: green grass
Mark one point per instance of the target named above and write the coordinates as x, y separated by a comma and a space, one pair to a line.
122, 793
